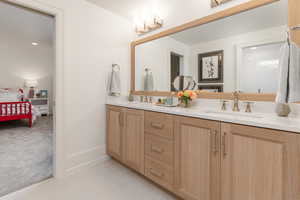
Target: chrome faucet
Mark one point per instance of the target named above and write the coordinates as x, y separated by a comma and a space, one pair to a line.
248, 107
146, 99
236, 107
224, 105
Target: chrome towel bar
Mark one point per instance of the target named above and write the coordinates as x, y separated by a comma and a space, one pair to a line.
293, 28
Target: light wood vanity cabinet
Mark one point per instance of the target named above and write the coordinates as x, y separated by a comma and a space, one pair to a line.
114, 123
159, 149
197, 158
160, 125
125, 136
133, 139
200, 159
259, 164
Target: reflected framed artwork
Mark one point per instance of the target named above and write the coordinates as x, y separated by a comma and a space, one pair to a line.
210, 69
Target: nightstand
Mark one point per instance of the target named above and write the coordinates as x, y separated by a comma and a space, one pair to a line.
40, 103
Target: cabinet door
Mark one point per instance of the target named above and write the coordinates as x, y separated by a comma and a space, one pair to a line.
197, 159
255, 164
133, 140
115, 123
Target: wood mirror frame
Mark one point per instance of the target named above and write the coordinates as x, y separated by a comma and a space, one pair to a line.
294, 19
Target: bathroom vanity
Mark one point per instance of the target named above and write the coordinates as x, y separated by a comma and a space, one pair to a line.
201, 155
209, 154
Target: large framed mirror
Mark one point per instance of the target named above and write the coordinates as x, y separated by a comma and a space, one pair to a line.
235, 49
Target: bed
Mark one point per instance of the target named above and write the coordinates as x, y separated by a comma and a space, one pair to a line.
13, 106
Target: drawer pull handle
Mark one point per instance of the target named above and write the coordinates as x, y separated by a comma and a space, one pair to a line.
157, 125
156, 149
157, 174
215, 142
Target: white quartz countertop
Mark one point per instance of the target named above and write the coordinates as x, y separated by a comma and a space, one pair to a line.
264, 120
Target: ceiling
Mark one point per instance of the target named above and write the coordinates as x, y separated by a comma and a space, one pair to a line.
254, 20
25, 24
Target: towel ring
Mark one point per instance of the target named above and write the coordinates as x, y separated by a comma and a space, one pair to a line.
147, 69
294, 28
116, 67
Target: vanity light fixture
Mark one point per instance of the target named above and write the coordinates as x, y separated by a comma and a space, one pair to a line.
147, 27
35, 44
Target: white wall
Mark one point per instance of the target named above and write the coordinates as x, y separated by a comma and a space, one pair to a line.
229, 46
156, 55
19, 60
93, 39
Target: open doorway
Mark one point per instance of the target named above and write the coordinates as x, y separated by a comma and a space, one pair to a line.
176, 67
27, 94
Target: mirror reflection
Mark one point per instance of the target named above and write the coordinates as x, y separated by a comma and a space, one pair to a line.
240, 52
183, 83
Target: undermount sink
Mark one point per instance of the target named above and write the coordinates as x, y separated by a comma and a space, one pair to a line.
235, 114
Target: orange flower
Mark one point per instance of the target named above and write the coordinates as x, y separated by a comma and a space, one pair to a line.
180, 94
193, 95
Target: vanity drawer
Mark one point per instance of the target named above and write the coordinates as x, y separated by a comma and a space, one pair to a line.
159, 173
159, 124
159, 149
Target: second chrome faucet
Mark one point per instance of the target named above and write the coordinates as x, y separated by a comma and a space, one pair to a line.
236, 107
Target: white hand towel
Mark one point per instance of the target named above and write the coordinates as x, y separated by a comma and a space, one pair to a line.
115, 83
294, 74
148, 81
289, 75
282, 94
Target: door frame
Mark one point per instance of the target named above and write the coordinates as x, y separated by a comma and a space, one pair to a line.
58, 104
181, 57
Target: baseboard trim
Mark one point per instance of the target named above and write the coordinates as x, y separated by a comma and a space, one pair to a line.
86, 165
21, 192
85, 152
85, 159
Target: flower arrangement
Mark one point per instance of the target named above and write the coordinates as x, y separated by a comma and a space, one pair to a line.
185, 97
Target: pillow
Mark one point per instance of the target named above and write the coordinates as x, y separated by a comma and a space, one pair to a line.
12, 93
3, 90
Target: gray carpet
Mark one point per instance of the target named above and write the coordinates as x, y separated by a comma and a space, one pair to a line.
26, 154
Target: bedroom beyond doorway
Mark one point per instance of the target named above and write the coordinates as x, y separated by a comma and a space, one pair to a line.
26, 97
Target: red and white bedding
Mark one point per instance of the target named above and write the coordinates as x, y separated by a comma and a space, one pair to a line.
11, 95
12, 107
